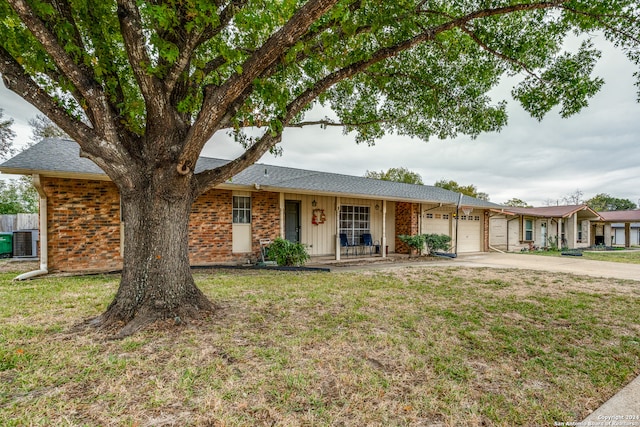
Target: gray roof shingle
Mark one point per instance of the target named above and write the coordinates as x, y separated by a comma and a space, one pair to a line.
61, 157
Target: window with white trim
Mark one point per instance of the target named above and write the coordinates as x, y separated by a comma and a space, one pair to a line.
241, 210
528, 230
354, 222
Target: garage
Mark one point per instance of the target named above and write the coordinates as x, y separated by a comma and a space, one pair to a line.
469, 233
436, 223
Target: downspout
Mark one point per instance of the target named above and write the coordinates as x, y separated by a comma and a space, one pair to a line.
44, 241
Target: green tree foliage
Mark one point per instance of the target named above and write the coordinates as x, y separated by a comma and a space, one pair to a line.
517, 203
603, 202
6, 136
468, 190
396, 174
18, 196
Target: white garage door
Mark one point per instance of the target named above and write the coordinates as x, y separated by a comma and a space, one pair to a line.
436, 223
619, 239
469, 233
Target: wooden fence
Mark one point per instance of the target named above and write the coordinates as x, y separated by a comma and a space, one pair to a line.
23, 221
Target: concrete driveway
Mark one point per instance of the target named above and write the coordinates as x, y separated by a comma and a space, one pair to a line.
561, 264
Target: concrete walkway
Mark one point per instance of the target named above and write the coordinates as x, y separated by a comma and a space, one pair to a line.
623, 409
561, 264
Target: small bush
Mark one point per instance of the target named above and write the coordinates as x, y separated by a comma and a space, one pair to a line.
415, 242
286, 253
437, 242
433, 242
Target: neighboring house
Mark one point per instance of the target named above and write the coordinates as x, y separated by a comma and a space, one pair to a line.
618, 228
515, 229
81, 229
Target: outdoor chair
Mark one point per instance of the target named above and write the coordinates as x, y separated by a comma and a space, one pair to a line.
344, 243
367, 241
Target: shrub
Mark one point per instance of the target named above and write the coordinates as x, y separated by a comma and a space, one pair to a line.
415, 242
287, 253
437, 242
433, 242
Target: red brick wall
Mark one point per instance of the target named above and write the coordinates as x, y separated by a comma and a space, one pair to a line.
407, 216
83, 220
84, 225
210, 232
265, 218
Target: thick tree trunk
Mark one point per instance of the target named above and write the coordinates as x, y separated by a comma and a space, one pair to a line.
156, 281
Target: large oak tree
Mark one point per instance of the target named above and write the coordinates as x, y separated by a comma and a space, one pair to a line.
142, 86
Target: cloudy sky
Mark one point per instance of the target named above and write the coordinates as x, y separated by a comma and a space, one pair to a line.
595, 152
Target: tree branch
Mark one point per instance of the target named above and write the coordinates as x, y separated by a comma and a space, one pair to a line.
609, 27
16, 80
91, 92
217, 100
196, 39
500, 55
209, 179
156, 99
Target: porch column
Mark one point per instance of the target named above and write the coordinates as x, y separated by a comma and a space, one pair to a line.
383, 240
627, 234
337, 229
282, 215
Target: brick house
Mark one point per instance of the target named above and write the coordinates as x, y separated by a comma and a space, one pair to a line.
80, 225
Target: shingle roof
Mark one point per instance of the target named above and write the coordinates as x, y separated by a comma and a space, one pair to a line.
61, 157
621, 216
550, 211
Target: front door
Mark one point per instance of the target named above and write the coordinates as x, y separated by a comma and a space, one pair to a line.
543, 235
292, 221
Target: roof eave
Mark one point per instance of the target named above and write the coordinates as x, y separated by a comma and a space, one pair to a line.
55, 174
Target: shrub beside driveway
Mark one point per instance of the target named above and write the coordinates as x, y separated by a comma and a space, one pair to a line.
405, 346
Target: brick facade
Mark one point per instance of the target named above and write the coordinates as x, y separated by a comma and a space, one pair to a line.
407, 217
265, 218
210, 230
83, 219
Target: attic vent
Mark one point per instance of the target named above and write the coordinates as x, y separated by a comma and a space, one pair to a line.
25, 243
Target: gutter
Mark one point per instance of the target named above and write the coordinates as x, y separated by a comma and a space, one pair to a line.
44, 241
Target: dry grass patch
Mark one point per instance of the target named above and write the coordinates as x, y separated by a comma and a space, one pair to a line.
408, 346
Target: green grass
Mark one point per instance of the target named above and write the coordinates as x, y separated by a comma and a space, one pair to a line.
410, 346
630, 257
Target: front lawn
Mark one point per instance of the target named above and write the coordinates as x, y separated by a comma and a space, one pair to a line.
406, 346
630, 257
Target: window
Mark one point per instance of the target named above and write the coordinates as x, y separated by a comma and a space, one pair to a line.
354, 221
445, 216
580, 227
430, 216
241, 210
528, 230
438, 216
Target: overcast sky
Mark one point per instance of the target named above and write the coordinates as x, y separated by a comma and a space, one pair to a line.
596, 151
